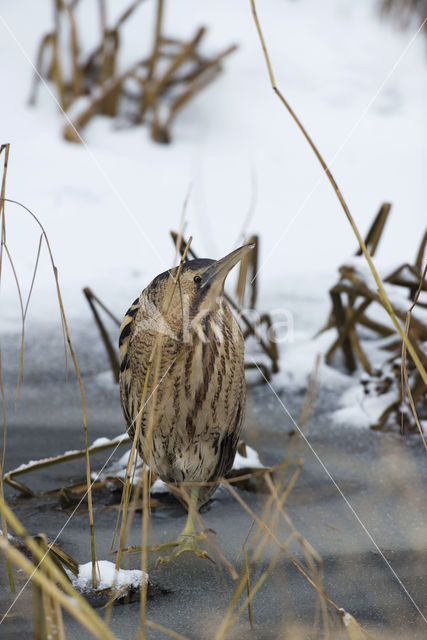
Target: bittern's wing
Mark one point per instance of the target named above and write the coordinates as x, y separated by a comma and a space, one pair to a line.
126, 331
229, 441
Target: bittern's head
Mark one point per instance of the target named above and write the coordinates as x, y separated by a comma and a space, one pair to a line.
201, 282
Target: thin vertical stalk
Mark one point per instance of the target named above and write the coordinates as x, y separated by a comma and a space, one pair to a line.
4, 148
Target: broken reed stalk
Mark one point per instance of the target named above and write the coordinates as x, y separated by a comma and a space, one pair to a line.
80, 383
157, 38
381, 291
71, 600
10, 476
403, 365
4, 149
111, 352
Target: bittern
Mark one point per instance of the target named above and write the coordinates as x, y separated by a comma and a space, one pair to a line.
182, 370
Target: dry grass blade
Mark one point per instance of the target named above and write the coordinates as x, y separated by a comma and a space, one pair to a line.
248, 590
168, 632
381, 291
80, 383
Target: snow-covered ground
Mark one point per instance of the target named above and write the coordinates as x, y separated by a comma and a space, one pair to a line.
355, 80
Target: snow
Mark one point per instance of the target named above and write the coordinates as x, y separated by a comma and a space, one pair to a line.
251, 461
100, 441
30, 463
107, 576
360, 410
159, 487
346, 617
9, 536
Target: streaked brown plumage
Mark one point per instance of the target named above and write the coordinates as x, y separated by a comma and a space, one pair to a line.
195, 400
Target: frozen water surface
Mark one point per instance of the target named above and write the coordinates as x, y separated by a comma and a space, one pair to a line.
381, 475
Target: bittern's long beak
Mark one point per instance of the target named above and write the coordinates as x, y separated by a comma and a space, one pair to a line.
218, 271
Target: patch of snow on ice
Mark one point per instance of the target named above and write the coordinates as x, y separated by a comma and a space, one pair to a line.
251, 461
159, 487
121, 437
360, 410
9, 536
108, 577
100, 441
346, 617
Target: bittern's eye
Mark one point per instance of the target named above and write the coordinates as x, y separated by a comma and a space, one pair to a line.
197, 278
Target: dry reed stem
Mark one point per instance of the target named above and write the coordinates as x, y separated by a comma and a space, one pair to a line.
249, 593
403, 366
4, 149
111, 352
47, 613
381, 291
165, 630
55, 62
157, 38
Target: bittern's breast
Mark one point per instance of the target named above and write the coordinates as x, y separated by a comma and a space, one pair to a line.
195, 399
